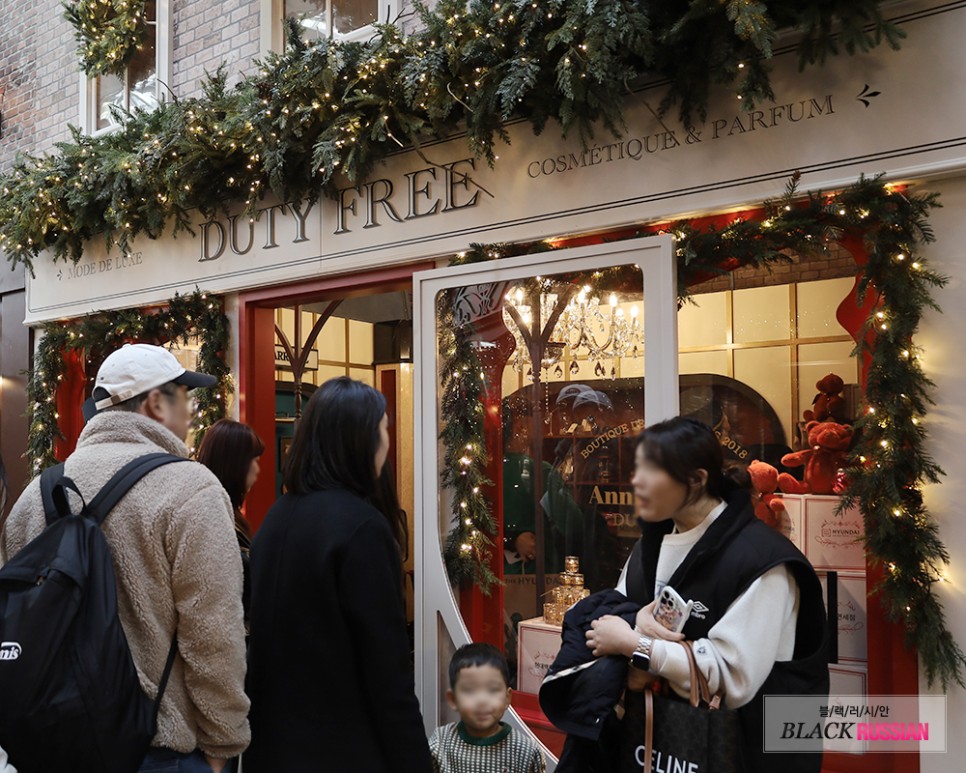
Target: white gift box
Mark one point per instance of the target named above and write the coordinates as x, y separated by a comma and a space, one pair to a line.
537, 646
846, 680
792, 523
831, 541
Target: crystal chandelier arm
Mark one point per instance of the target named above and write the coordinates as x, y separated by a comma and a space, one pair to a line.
562, 300
525, 332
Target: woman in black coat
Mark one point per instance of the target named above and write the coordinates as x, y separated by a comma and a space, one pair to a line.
329, 676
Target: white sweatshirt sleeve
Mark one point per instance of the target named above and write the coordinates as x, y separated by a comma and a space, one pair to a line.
5, 767
621, 586
757, 631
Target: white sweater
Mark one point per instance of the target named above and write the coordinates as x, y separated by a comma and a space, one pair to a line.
5, 767
756, 631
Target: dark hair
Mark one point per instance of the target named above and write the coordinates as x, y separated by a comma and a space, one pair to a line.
477, 654
336, 439
682, 446
228, 449
385, 499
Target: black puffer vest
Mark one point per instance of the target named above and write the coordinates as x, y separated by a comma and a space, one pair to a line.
736, 550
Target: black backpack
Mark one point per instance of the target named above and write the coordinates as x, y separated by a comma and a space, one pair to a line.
70, 698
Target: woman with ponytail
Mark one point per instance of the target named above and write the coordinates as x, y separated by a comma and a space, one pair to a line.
757, 625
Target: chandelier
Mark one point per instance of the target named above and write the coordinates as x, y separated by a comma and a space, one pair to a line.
546, 317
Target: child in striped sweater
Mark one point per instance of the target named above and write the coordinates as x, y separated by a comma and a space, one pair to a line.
481, 742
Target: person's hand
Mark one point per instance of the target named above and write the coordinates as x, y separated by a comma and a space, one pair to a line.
611, 635
215, 763
526, 546
649, 626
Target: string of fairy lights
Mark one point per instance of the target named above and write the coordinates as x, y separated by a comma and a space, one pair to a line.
889, 464
317, 115
195, 318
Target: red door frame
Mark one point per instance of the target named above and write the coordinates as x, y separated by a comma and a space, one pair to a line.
256, 337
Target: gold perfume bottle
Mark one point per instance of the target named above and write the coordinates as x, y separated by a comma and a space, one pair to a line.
569, 592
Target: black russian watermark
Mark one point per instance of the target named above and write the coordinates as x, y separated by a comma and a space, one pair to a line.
855, 724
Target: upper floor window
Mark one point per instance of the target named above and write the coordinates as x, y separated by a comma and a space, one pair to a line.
108, 97
340, 19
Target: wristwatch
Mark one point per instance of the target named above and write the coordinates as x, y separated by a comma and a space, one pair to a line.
641, 658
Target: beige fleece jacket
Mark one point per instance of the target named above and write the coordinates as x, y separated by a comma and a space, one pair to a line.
177, 567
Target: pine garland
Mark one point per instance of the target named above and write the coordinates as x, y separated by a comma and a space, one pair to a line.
108, 32
185, 316
318, 114
469, 546
889, 464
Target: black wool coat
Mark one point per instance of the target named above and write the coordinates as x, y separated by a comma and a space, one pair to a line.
329, 671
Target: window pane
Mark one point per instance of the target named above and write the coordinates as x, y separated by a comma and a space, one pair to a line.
349, 15
704, 322
312, 15
703, 362
360, 342
364, 375
817, 304
768, 371
142, 76
762, 314
110, 91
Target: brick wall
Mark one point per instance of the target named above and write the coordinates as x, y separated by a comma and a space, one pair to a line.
836, 263
208, 33
40, 75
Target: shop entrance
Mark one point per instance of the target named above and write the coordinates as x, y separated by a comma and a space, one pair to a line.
294, 338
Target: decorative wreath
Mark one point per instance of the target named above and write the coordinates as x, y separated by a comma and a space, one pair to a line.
109, 33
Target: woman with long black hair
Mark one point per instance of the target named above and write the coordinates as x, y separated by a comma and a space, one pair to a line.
330, 677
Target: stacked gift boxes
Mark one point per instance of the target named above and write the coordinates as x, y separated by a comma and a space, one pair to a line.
833, 544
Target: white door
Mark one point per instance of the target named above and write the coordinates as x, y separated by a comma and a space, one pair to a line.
595, 318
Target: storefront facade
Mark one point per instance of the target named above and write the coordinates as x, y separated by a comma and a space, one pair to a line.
342, 281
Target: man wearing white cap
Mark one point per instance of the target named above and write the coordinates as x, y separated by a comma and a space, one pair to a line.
176, 559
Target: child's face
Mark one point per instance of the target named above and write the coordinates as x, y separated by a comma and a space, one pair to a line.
481, 697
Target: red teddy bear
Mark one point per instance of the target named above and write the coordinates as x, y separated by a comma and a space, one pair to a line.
828, 404
828, 443
768, 507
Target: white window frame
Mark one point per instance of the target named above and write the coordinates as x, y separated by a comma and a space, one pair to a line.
273, 24
164, 69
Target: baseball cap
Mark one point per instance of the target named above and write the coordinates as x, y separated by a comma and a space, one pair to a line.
135, 369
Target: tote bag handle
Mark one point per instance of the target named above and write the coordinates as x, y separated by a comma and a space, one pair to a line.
700, 692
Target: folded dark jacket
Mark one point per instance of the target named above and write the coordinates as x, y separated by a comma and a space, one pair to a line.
580, 691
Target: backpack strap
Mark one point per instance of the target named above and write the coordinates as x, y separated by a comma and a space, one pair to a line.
123, 480
48, 479
169, 663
